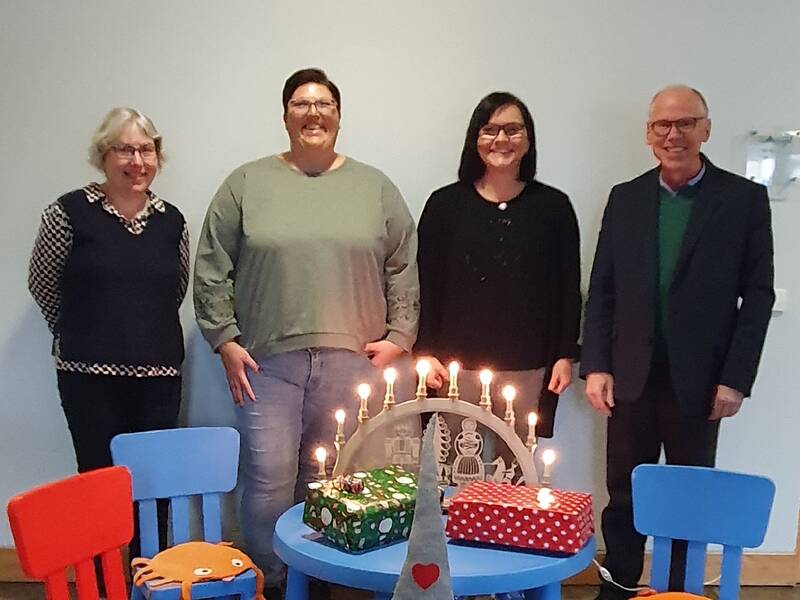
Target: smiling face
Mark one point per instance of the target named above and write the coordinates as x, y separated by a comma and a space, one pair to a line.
678, 151
312, 126
503, 140
126, 175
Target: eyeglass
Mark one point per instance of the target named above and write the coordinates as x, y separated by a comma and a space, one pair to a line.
663, 127
492, 130
326, 107
127, 152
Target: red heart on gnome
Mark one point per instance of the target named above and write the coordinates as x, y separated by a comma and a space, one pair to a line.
425, 575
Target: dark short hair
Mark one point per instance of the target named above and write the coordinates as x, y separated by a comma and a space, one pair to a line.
472, 167
310, 75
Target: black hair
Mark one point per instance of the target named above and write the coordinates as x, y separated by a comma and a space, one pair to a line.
472, 167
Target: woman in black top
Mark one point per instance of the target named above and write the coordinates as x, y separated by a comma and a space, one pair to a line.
500, 268
109, 270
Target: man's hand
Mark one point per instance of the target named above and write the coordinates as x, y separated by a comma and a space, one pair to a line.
600, 392
727, 402
236, 361
561, 377
382, 352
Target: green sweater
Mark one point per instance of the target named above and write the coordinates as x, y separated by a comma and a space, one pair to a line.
286, 261
673, 217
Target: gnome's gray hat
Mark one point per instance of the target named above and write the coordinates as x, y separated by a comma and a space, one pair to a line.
426, 572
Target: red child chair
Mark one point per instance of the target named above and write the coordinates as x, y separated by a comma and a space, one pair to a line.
69, 523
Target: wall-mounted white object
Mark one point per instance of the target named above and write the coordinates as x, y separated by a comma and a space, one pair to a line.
773, 159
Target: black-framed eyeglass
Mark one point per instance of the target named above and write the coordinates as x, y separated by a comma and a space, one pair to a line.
662, 127
492, 130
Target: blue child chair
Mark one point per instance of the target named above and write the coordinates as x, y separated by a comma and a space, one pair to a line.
177, 464
700, 505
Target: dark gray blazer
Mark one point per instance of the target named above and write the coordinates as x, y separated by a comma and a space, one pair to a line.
726, 255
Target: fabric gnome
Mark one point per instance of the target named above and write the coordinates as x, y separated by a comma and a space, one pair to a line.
426, 572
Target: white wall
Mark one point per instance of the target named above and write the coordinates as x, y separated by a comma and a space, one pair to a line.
411, 72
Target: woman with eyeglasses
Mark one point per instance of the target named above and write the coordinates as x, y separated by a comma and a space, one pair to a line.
500, 269
306, 285
109, 271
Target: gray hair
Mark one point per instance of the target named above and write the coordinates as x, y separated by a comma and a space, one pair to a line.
106, 134
681, 86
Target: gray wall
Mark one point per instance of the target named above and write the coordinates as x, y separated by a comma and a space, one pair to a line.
411, 72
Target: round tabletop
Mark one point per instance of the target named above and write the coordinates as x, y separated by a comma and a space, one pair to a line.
474, 570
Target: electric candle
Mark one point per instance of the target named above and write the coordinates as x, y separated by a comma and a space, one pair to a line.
389, 375
486, 381
363, 394
321, 454
423, 368
452, 391
339, 416
548, 458
509, 393
533, 418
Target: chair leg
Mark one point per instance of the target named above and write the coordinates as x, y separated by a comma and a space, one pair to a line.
551, 591
296, 585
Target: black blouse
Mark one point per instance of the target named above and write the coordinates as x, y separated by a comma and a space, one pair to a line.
500, 283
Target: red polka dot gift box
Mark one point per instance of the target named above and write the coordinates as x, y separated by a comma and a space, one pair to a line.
535, 518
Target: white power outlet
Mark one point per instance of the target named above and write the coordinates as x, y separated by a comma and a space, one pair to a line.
781, 298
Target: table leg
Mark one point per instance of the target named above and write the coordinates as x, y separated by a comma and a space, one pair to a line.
296, 585
551, 591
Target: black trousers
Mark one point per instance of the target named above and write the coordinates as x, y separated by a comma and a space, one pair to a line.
98, 407
636, 432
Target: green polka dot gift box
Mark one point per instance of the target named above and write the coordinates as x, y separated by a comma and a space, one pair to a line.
364, 510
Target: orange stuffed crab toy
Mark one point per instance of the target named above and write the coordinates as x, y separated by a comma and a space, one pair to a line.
193, 562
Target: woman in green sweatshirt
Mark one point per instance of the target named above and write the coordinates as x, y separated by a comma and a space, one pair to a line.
306, 285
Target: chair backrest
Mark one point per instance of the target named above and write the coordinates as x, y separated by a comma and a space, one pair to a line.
68, 523
177, 464
701, 505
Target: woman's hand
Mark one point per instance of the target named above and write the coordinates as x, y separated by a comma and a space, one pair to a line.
382, 352
236, 360
561, 377
437, 375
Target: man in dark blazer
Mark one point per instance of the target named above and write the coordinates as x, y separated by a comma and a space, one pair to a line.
680, 297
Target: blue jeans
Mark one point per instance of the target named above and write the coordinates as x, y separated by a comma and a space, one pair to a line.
297, 394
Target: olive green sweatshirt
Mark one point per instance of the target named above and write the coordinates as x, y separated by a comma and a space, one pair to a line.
287, 261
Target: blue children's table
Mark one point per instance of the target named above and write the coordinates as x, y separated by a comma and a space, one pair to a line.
474, 570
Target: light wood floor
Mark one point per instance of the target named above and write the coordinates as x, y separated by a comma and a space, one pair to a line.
34, 591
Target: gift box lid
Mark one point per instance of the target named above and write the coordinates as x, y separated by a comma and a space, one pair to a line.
521, 497
383, 487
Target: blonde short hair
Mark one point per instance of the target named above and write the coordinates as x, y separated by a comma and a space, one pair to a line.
106, 134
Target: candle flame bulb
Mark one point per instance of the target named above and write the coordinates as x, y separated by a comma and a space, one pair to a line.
452, 391
339, 416
509, 393
363, 391
533, 418
390, 375
485, 377
423, 367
